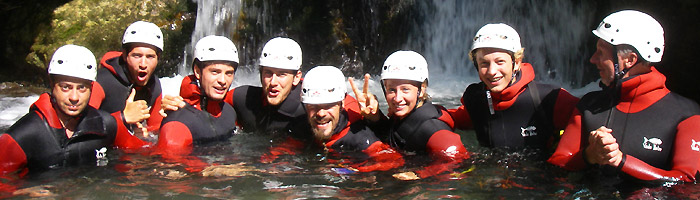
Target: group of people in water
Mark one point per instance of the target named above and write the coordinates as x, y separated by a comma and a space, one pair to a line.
634, 127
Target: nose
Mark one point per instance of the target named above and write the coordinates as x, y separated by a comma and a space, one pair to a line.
143, 64
221, 80
492, 69
399, 96
274, 80
321, 113
592, 59
73, 96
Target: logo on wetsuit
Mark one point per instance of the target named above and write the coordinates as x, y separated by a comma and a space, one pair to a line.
695, 146
529, 131
101, 156
652, 144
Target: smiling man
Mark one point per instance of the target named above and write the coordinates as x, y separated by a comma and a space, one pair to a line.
61, 129
130, 73
206, 117
508, 108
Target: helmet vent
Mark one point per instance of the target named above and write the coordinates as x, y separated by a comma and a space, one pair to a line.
133, 32
60, 61
89, 66
331, 90
412, 67
612, 40
290, 57
158, 36
304, 90
264, 54
211, 49
607, 25
657, 49
617, 30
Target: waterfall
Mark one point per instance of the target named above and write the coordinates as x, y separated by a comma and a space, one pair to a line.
555, 35
214, 17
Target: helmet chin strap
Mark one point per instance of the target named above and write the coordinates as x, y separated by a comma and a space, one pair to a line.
619, 73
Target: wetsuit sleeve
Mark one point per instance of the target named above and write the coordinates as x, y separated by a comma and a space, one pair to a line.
461, 117
155, 119
447, 151
12, 157
563, 109
124, 138
685, 157
290, 146
97, 95
174, 135
382, 158
569, 153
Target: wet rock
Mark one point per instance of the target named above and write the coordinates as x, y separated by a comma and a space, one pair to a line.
12, 89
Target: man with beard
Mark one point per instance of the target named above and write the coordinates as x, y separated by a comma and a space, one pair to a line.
60, 128
336, 129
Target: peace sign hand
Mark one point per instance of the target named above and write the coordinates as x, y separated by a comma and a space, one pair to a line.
368, 103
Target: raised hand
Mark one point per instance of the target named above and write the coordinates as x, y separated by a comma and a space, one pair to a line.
170, 103
135, 111
368, 102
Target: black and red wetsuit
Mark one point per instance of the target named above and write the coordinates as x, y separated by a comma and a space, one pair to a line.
112, 88
192, 125
525, 114
352, 134
255, 115
38, 141
426, 129
657, 131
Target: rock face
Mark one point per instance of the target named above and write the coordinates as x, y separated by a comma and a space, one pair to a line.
34, 29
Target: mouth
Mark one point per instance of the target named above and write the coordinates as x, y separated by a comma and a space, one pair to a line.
494, 80
219, 89
323, 124
142, 75
273, 92
400, 107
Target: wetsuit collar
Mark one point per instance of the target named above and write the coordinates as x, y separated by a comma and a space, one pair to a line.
192, 94
504, 99
641, 91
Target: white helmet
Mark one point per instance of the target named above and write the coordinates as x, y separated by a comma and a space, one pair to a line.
281, 53
499, 36
143, 32
215, 48
75, 61
405, 65
323, 84
634, 28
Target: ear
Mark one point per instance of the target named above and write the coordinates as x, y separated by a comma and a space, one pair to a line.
630, 60
297, 78
516, 66
197, 72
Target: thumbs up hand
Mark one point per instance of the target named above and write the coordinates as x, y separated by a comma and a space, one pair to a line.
135, 111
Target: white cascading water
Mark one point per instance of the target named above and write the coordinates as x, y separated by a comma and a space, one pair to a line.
553, 34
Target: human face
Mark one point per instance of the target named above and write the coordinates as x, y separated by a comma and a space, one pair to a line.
71, 94
603, 60
495, 68
141, 61
278, 83
215, 79
402, 96
323, 118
